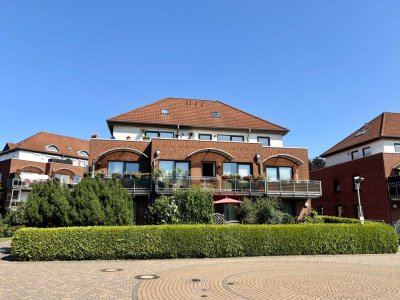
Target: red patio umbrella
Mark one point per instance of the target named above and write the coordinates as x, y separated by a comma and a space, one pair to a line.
227, 201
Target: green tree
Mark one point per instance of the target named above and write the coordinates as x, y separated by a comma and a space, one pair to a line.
246, 211
117, 203
268, 212
316, 163
163, 211
86, 208
48, 205
195, 205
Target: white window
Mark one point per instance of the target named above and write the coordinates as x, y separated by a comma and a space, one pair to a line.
53, 148
83, 153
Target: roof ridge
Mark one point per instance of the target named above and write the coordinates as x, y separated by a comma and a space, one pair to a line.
254, 116
65, 136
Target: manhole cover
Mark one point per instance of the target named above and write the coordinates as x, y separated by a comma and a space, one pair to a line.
111, 270
147, 277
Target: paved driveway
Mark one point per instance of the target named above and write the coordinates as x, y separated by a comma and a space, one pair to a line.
284, 277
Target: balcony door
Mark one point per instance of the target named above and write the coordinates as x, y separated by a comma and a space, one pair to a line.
208, 169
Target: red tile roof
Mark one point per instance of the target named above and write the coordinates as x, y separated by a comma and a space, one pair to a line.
67, 146
386, 125
194, 113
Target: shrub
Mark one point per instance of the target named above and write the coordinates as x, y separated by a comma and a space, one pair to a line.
86, 207
195, 205
117, 204
163, 211
180, 241
92, 202
48, 205
245, 212
313, 217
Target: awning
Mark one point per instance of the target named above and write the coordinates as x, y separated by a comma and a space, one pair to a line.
227, 201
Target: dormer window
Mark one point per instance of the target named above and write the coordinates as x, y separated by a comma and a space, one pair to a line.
70, 147
83, 153
165, 111
216, 114
53, 148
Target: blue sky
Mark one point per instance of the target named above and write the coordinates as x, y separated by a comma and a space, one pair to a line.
320, 68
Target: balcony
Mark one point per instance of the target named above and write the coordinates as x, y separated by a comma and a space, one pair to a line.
393, 183
136, 186
234, 186
22, 184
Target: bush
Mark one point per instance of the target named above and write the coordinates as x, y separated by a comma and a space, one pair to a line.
195, 205
183, 241
92, 202
48, 205
315, 218
163, 211
246, 211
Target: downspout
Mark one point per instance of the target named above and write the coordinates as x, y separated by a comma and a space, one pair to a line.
177, 131
248, 136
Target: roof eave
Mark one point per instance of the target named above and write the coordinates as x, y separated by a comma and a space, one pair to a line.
111, 124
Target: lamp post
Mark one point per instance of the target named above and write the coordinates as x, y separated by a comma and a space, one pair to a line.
357, 182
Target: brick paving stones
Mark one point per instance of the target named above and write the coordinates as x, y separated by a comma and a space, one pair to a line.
283, 277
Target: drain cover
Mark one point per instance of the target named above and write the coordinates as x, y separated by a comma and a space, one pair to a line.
111, 270
147, 277
196, 280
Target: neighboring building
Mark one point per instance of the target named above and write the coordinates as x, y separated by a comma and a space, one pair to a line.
372, 152
38, 158
186, 142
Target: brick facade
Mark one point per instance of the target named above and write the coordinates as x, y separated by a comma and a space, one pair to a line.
374, 192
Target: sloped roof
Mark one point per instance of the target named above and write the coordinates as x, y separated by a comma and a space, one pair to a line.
386, 125
195, 113
67, 146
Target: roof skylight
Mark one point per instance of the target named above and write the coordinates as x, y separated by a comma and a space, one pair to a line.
216, 114
165, 111
362, 132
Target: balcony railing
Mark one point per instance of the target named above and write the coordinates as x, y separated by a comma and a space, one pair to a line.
137, 186
393, 183
20, 184
281, 189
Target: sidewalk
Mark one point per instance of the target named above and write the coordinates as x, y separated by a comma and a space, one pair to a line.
283, 277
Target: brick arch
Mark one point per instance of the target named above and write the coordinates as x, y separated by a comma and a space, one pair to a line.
64, 171
289, 157
212, 150
131, 150
197, 159
282, 160
31, 168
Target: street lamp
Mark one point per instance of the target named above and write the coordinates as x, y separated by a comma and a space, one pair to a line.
357, 182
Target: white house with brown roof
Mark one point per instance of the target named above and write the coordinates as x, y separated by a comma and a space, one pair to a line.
194, 119
38, 158
373, 153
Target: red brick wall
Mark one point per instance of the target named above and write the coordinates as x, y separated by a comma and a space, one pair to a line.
98, 146
374, 196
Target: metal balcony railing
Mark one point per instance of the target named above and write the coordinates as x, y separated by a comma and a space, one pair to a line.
281, 189
393, 183
137, 186
26, 184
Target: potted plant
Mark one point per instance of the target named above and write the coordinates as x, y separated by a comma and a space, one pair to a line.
137, 175
146, 138
248, 177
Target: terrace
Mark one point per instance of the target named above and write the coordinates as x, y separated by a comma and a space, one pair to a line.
240, 186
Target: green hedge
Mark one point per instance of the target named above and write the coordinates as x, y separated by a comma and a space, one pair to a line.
179, 241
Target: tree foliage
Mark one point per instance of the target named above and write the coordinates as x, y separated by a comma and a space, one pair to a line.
262, 211
92, 202
316, 163
195, 205
163, 211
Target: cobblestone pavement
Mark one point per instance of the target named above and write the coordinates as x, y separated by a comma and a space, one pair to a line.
283, 277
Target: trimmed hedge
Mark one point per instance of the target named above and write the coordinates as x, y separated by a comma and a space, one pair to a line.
183, 241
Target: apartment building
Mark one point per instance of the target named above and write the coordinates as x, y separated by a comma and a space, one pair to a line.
176, 143
38, 158
372, 152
